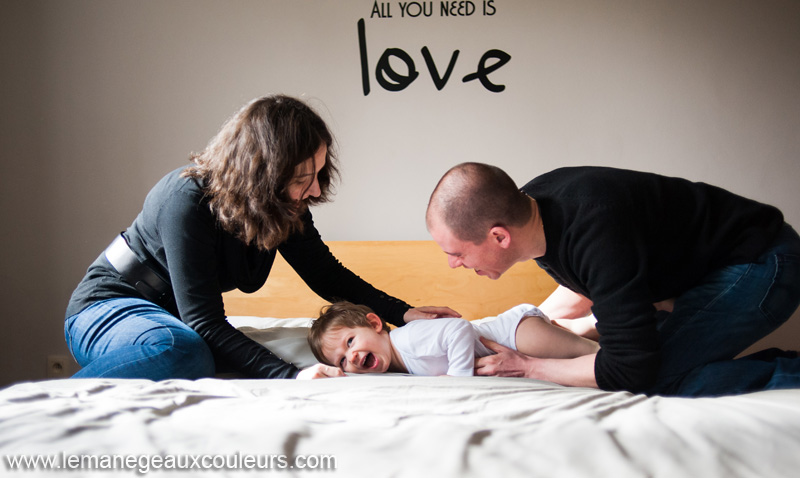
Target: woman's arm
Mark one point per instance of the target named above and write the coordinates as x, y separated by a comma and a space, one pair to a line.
188, 235
327, 277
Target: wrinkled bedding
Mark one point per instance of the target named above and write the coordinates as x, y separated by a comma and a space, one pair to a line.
402, 426
412, 426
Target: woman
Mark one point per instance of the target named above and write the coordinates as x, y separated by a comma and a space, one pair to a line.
151, 305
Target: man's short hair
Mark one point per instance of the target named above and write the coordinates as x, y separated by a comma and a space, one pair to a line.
471, 198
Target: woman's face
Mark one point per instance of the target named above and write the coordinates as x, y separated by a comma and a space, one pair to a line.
305, 182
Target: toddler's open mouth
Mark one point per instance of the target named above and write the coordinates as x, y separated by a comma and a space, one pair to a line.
369, 361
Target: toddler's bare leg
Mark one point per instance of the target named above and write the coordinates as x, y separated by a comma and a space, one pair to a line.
584, 326
538, 338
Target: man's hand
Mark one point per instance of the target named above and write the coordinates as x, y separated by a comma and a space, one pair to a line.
319, 371
573, 372
429, 313
505, 362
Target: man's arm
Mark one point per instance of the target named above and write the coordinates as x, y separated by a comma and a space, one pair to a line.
566, 304
571, 311
574, 372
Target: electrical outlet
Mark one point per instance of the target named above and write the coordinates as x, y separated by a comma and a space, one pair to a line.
58, 366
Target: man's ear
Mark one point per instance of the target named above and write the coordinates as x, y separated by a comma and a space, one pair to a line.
375, 322
501, 236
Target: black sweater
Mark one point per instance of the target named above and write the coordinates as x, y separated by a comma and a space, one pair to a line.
178, 236
627, 239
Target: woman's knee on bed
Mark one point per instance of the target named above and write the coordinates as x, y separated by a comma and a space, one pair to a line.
155, 353
188, 356
178, 354
168, 356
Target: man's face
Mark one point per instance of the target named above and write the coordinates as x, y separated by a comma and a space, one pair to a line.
488, 258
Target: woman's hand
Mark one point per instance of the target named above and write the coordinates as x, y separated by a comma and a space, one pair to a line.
319, 370
429, 312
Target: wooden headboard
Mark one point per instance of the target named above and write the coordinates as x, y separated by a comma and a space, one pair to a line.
415, 271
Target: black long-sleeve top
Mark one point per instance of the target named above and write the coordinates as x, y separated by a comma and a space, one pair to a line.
627, 240
177, 235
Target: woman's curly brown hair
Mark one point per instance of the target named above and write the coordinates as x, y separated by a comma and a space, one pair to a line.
247, 167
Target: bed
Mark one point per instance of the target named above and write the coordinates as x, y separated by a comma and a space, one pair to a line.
388, 425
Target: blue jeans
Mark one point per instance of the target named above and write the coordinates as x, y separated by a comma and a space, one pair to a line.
134, 338
728, 311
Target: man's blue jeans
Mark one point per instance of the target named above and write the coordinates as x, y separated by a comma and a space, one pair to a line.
134, 338
730, 310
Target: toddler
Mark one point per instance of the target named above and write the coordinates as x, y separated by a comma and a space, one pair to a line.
355, 339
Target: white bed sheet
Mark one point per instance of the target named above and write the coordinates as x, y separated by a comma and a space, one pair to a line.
405, 426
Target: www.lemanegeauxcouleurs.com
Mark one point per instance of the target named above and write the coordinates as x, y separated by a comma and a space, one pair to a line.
144, 464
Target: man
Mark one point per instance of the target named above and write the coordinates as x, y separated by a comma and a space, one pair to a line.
681, 276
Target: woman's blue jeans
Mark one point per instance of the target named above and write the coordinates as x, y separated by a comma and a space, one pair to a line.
730, 310
134, 338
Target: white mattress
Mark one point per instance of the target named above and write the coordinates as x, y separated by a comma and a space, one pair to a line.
398, 425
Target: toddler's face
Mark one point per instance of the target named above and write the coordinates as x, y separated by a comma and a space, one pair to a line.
358, 350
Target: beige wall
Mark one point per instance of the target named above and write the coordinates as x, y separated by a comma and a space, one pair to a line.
101, 98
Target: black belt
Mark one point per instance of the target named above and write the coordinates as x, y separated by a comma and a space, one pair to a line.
136, 272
